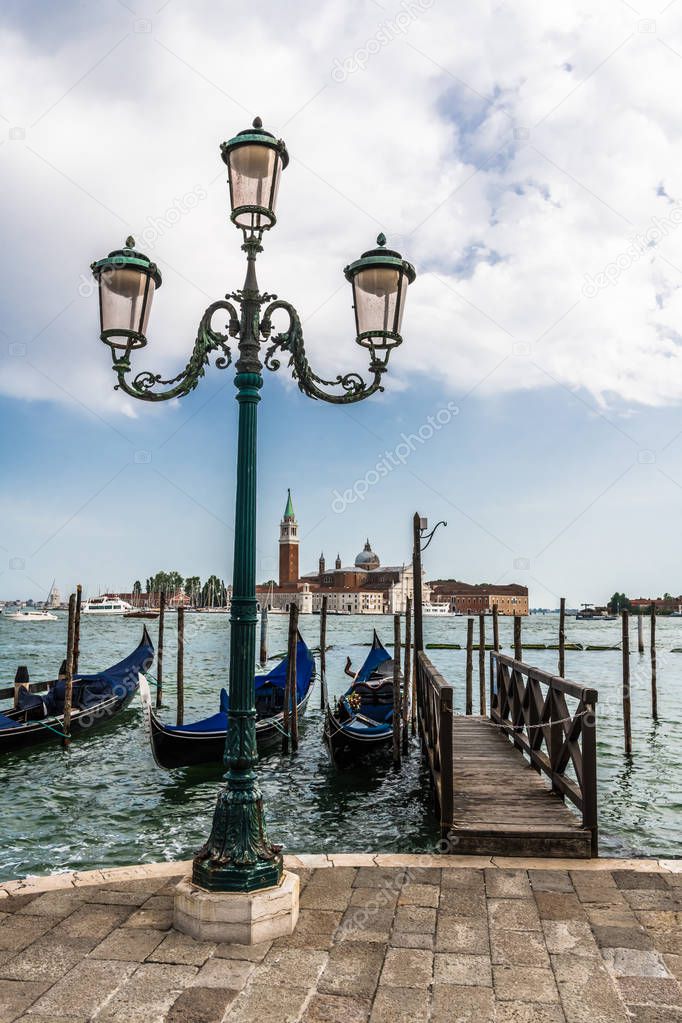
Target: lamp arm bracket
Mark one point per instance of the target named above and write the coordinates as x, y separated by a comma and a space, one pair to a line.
208, 341
290, 342
429, 536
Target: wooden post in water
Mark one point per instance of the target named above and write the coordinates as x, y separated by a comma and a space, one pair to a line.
654, 690
77, 629
518, 648
640, 632
21, 681
562, 637
470, 667
481, 665
290, 717
407, 671
323, 654
397, 702
627, 704
418, 621
496, 628
180, 719
263, 635
68, 687
159, 651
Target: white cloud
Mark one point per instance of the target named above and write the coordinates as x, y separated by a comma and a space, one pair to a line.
508, 151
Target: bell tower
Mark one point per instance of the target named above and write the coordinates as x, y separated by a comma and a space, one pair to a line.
288, 547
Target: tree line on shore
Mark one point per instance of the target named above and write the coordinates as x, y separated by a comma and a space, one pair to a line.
620, 602
212, 593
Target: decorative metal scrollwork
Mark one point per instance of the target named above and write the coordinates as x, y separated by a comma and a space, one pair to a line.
290, 342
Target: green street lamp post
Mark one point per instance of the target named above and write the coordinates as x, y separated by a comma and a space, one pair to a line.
238, 856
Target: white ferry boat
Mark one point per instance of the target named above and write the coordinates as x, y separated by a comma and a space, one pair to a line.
32, 616
106, 605
437, 610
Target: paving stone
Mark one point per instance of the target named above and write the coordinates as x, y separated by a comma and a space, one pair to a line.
17, 995
400, 1005
419, 895
282, 965
415, 919
111, 897
254, 953
399, 939
148, 994
91, 921
607, 915
514, 914
588, 994
14, 903
660, 920
358, 924
654, 1014
156, 919
463, 902
559, 906
352, 967
653, 899
574, 936
326, 897
674, 965
453, 968
229, 973
182, 949
130, 944
46, 959
423, 875
462, 934
57, 904
339, 877
201, 1005
550, 881
336, 1009
528, 1012
315, 929
18, 931
268, 1004
508, 950
453, 1003
633, 879
407, 967
148, 885
631, 962
463, 878
650, 991
160, 902
375, 898
623, 937
85, 988
532, 984
507, 884
377, 877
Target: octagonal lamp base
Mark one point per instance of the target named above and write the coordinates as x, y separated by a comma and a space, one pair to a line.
242, 918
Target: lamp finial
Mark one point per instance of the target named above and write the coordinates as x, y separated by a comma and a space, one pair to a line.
381, 239
130, 242
257, 123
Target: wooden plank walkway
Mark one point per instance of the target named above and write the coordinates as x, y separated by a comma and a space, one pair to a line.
501, 805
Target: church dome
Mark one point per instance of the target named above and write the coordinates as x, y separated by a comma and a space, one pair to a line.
367, 558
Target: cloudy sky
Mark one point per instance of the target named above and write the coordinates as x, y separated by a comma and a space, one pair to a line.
525, 157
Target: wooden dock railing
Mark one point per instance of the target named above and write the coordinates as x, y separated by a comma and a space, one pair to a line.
435, 701
529, 705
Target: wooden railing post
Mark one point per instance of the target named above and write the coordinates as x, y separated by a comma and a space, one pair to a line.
589, 782
446, 741
654, 688
627, 702
481, 665
180, 671
323, 653
562, 637
407, 671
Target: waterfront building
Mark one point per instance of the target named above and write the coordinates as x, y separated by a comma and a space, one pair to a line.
365, 587
471, 598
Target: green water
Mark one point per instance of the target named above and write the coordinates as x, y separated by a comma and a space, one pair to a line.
104, 802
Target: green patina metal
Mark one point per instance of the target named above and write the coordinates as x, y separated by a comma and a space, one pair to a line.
238, 855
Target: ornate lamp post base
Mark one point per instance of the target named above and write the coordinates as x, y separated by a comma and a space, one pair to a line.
243, 918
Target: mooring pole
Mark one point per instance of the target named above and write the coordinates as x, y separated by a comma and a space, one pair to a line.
290, 716
562, 637
263, 635
469, 709
159, 651
397, 702
21, 681
627, 730
481, 664
518, 648
407, 671
68, 686
181, 667
654, 689
323, 653
77, 629
640, 632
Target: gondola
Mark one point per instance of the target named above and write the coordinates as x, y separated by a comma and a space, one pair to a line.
96, 699
203, 742
361, 723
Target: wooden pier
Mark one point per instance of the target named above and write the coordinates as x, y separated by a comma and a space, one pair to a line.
502, 782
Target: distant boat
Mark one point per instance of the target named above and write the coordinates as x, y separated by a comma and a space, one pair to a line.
142, 613
32, 616
203, 742
106, 605
589, 613
437, 610
96, 699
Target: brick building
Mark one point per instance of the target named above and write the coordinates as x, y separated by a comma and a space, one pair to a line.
471, 598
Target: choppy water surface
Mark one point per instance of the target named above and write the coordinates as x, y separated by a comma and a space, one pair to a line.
104, 802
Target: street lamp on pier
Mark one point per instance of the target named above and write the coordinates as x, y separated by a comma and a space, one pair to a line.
238, 856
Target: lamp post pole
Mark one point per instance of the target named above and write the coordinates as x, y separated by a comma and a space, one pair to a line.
238, 856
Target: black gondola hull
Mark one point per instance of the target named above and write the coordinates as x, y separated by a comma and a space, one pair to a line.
346, 749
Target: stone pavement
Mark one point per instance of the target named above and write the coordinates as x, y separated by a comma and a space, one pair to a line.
453, 940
